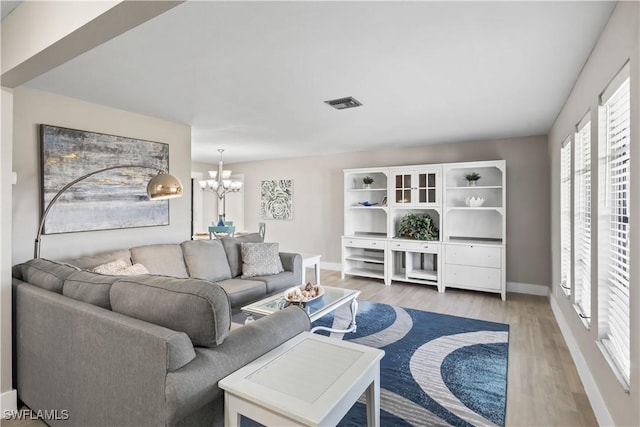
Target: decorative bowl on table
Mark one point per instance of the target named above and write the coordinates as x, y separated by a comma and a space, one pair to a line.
304, 293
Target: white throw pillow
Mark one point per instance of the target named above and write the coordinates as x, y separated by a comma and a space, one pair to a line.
260, 259
120, 267
112, 268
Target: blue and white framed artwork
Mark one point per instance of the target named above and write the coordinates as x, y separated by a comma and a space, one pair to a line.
110, 200
276, 199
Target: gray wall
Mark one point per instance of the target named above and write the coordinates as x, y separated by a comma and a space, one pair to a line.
32, 108
619, 41
318, 197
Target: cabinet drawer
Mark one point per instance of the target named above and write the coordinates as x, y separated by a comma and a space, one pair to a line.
363, 243
472, 277
472, 255
430, 247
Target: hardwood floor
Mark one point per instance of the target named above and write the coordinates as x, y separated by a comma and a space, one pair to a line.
543, 385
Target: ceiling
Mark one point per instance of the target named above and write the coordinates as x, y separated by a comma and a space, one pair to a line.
252, 77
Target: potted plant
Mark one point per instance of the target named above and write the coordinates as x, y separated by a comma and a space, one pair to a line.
472, 178
417, 227
367, 181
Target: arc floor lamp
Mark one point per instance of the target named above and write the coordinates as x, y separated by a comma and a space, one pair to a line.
161, 186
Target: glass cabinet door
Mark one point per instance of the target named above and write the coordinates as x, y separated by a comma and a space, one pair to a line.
427, 187
402, 191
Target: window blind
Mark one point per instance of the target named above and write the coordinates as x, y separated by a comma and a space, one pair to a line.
565, 216
614, 315
582, 218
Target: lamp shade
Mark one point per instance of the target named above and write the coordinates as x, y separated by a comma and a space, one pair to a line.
164, 186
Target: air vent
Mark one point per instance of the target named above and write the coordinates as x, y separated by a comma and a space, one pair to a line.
344, 103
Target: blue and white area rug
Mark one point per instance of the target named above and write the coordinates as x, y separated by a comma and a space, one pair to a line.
438, 370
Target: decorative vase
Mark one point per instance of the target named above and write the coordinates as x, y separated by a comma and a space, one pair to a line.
471, 183
366, 186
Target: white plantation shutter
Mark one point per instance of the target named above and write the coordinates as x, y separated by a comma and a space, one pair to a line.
614, 308
582, 218
565, 216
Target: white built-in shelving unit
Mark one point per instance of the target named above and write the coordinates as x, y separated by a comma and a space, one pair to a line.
470, 252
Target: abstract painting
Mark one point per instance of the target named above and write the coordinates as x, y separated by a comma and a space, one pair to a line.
109, 200
276, 199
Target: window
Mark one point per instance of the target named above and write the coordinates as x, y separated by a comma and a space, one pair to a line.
582, 219
565, 216
613, 242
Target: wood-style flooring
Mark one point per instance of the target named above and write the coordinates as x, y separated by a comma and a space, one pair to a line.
543, 385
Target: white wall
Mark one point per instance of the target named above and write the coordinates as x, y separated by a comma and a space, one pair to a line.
32, 108
7, 395
318, 197
619, 42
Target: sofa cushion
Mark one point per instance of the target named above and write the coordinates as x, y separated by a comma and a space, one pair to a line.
277, 282
232, 248
49, 275
89, 262
89, 287
260, 259
206, 259
165, 259
242, 292
196, 307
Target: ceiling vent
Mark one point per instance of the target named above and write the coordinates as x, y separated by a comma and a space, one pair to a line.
344, 103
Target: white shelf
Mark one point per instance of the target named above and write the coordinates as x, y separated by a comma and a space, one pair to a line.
423, 274
384, 208
365, 272
367, 189
366, 258
469, 241
477, 187
481, 208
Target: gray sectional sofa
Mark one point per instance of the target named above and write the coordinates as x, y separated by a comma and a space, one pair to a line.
144, 350
213, 260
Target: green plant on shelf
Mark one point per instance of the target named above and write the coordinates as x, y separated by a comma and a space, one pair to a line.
367, 180
473, 176
417, 227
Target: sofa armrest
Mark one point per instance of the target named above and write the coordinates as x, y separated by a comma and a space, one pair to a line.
197, 382
292, 262
71, 354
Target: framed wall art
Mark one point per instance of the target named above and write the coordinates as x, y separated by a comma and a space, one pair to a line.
276, 199
109, 200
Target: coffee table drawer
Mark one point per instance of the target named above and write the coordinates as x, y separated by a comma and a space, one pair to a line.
363, 243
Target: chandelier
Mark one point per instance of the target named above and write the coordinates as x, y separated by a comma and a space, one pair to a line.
221, 184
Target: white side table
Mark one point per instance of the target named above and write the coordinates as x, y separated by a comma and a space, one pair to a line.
311, 260
310, 380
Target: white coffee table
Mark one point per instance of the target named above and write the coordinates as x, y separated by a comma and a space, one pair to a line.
310, 380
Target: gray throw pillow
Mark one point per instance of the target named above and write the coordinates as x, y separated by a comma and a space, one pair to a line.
260, 259
232, 248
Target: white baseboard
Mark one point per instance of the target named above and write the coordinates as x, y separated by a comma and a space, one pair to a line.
527, 288
593, 393
8, 402
519, 288
333, 266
